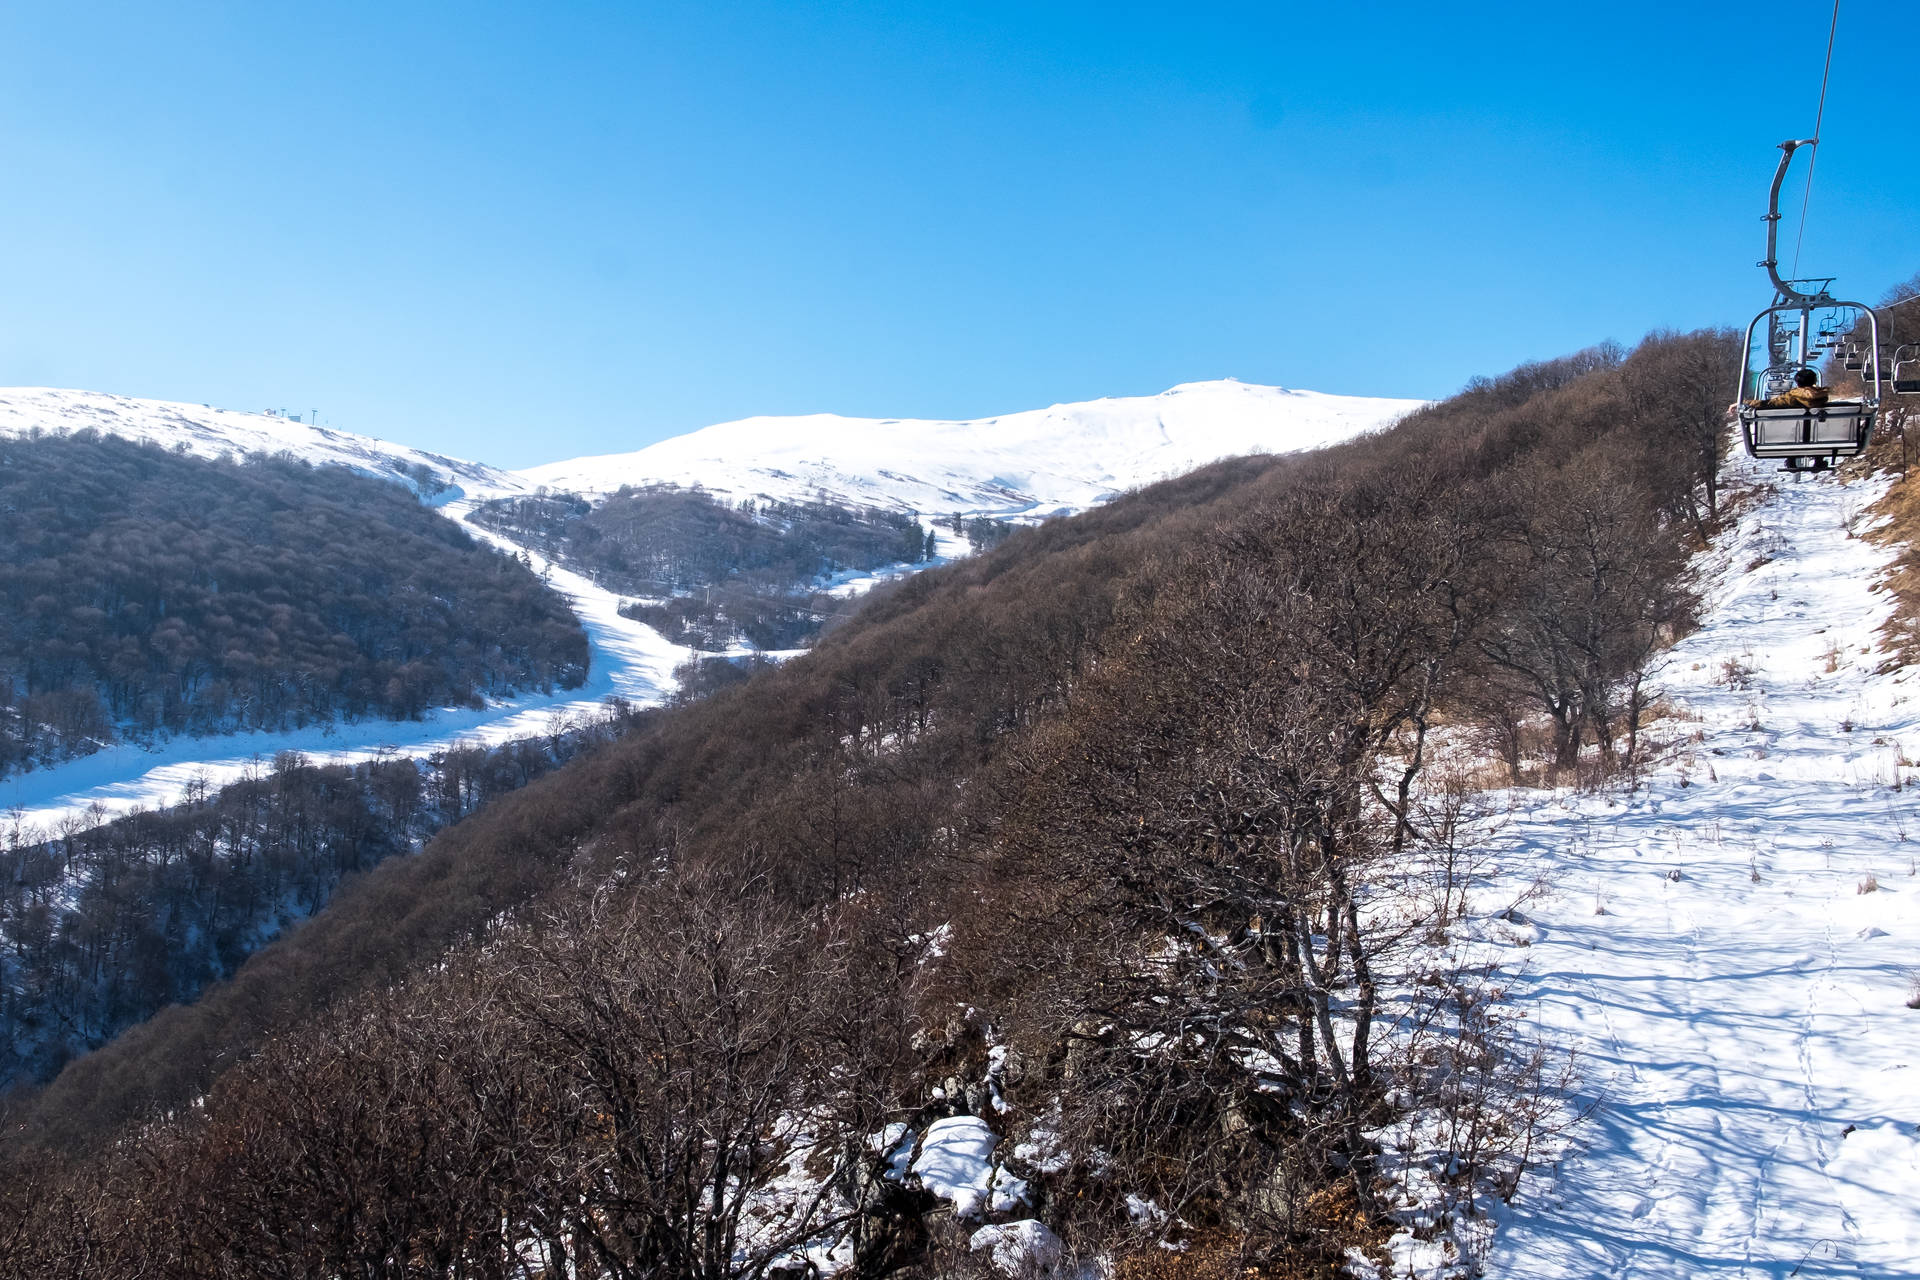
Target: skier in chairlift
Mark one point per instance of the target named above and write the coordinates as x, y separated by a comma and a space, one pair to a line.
1806, 393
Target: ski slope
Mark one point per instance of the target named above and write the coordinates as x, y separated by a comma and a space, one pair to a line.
629, 660
1717, 952
1038, 463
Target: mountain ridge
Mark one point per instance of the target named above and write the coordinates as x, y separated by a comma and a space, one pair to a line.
1027, 464
209, 432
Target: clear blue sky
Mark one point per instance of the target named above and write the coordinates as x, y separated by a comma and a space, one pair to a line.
521, 232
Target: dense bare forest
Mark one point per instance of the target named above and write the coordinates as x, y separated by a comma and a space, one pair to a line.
1110, 838
145, 593
102, 927
710, 573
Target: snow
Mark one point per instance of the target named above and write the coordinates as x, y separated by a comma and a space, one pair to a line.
1742, 1025
1036, 463
896, 1143
1143, 1210
1042, 462
1042, 1151
630, 661
1018, 1248
207, 432
956, 1163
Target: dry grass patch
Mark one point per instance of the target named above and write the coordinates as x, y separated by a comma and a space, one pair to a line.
1219, 1254
1896, 523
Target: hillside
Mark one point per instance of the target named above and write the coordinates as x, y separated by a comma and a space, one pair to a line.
630, 658
1070, 895
102, 927
1730, 947
207, 432
1035, 463
146, 593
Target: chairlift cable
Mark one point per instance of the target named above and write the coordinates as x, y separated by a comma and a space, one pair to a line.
1818, 117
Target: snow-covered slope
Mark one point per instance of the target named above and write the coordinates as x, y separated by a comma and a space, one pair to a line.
1730, 949
209, 433
1040, 462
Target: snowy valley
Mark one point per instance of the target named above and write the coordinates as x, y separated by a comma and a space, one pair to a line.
1026, 466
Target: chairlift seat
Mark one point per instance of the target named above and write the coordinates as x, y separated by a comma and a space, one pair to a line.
1906, 386
1838, 429
1807, 437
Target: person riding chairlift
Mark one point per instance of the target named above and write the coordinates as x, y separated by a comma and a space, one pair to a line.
1806, 393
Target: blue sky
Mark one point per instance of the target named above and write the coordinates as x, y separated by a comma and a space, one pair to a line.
521, 232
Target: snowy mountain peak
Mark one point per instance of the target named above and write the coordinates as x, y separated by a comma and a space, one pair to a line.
1029, 464
1037, 462
211, 433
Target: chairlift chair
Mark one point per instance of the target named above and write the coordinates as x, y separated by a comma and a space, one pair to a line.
1905, 375
1806, 438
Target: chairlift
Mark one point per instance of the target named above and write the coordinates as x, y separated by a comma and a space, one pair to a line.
1806, 438
1905, 376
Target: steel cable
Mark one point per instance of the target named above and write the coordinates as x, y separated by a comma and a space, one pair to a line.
1819, 116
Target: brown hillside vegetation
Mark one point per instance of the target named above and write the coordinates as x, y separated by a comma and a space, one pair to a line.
1084, 835
1896, 448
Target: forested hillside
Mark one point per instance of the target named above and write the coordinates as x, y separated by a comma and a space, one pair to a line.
103, 927
1076, 898
674, 547
146, 593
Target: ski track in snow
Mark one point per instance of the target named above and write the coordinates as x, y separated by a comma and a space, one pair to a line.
629, 660
1734, 1022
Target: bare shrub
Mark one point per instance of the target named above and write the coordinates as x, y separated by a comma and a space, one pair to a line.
1485, 1103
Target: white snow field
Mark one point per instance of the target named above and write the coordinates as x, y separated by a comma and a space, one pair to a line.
1037, 463
1730, 948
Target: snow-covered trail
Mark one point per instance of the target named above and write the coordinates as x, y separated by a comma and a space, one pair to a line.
1736, 998
630, 660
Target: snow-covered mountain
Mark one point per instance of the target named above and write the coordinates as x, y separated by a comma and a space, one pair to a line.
1036, 463
209, 433
1066, 458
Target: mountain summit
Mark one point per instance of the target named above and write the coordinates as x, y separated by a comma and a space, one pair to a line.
1035, 463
